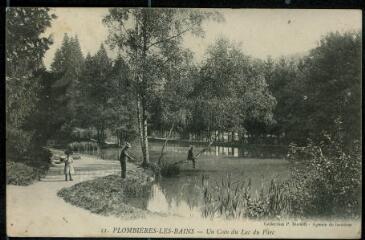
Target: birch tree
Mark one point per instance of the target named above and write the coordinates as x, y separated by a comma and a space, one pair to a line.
149, 37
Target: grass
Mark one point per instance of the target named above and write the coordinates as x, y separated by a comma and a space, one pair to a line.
107, 196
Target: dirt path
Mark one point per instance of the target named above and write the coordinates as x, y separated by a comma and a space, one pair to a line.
36, 210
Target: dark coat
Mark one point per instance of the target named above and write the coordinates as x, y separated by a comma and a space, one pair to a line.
191, 154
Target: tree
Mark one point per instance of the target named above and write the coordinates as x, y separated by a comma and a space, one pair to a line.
232, 94
68, 65
332, 75
43, 121
285, 80
25, 48
122, 100
148, 37
95, 85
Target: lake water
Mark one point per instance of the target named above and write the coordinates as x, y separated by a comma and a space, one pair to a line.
182, 195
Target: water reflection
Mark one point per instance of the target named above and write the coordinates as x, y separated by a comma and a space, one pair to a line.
246, 152
213, 151
163, 202
263, 151
157, 201
183, 195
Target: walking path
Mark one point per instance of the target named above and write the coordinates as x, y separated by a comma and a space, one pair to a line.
36, 210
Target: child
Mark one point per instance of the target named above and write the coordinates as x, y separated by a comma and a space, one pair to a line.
69, 169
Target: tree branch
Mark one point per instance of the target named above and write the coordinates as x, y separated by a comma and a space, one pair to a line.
164, 145
169, 38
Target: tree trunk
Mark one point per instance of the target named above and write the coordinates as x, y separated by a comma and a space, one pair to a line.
141, 129
145, 150
146, 157
164, 145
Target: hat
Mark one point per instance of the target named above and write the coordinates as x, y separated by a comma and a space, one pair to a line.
127, 144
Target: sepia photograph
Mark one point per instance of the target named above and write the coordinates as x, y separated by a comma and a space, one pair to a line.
183, 122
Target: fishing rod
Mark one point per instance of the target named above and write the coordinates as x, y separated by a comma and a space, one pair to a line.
203, 150
197, 155
121, 146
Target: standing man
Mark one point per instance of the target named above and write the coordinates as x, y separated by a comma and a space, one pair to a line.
123, 158
191, 155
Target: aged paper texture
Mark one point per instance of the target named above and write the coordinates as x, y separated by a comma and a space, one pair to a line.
184, 123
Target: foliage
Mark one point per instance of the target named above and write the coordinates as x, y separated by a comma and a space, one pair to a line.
327, 179
333, 85
325, 182
151, 38
231, 94
25, 47
123, 101
67, 67
95, 87
169, 169
44, 120
313, 91
171, 103
83, 146
286, 84
19, 173
26, 171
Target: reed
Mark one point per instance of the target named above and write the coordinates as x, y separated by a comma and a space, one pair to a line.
229, 199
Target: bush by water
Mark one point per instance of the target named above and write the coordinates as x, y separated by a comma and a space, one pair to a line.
325, 181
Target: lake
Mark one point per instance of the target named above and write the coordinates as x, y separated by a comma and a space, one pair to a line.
182, 195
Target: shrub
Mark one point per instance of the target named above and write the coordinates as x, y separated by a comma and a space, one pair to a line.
18, 143
19, 174
326, 177
26, 170
169, 169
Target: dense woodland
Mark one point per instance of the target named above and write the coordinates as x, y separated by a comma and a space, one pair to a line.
155, 84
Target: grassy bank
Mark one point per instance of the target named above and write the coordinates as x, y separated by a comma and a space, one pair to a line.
29, 169
108, 195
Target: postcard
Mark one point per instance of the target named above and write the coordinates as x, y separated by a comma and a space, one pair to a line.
183, 123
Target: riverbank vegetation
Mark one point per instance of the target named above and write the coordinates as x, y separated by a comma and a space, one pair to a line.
108, 195
325, 182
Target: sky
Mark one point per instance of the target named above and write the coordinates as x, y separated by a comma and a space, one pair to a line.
260, 32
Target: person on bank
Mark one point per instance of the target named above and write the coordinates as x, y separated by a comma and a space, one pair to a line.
69, 168
191, 155
123, 159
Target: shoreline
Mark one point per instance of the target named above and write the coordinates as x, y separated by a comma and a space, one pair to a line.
98, 186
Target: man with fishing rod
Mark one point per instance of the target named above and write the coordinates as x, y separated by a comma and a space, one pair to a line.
124, 156
193, 158
191, 155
